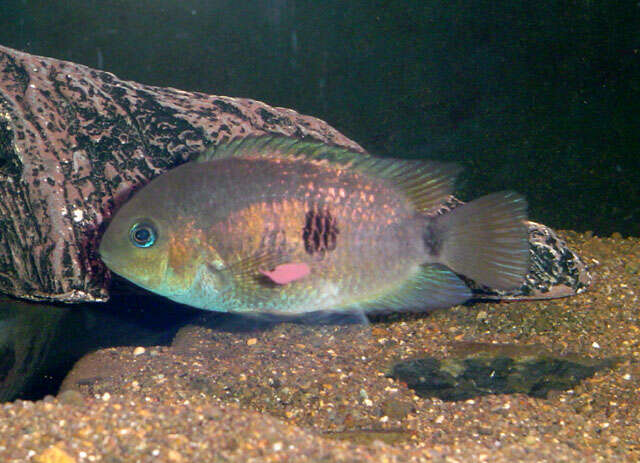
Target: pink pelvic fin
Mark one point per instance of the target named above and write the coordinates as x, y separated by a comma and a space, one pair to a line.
286, 273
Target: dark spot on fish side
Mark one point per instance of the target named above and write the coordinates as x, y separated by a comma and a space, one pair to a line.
320, 232
432, 238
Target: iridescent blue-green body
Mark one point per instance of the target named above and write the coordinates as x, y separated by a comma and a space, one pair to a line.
278, 225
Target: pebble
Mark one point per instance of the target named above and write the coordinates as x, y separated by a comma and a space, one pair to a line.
54, 454
139, 351
71, 397
397, 409
174, 456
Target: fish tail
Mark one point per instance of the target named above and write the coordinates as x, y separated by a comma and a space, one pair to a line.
485, 240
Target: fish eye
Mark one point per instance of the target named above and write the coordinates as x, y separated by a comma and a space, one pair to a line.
142, 235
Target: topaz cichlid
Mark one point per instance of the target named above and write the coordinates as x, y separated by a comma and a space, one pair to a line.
285, 226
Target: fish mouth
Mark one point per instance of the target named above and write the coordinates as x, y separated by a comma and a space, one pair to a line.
103, 251
105, 260
113, 267
135, 280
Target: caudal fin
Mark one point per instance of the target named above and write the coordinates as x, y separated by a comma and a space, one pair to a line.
486, 240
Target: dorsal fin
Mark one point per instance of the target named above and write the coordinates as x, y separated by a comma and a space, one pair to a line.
281, 147
426, 184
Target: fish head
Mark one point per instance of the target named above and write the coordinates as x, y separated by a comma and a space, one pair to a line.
152, 244
137, 249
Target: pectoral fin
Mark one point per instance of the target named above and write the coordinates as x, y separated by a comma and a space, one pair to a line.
287, 273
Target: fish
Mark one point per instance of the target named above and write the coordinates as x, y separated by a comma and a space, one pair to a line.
284, 226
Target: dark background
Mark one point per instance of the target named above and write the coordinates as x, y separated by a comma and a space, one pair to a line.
541, 97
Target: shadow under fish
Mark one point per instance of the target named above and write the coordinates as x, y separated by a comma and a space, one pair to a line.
40, 342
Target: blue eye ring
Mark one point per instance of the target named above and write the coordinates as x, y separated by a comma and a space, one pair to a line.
143, 235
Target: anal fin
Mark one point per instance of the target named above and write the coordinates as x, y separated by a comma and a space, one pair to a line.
432, 287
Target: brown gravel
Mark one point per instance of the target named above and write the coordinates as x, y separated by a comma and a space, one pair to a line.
291, 392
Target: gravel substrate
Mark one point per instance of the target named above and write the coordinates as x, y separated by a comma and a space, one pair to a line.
294, 392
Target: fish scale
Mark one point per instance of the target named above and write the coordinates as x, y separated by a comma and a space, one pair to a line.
348, 267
